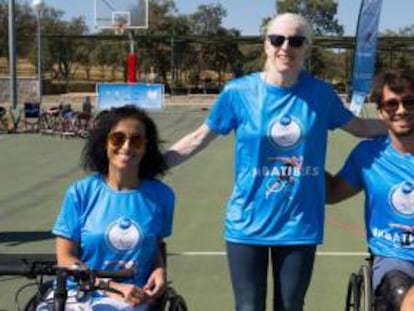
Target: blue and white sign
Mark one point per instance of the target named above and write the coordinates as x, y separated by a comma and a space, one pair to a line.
149, 96
365, 52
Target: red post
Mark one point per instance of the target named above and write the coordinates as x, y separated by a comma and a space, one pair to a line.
132, 68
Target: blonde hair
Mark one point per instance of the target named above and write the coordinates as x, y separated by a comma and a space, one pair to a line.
303, 25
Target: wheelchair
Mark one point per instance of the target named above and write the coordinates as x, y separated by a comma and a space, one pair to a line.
169, 301
34, 266
361, 296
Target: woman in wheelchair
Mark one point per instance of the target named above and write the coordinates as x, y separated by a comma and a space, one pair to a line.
384, 169
115, 217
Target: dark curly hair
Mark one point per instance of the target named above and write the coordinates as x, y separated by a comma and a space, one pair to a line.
94, 155
397, 81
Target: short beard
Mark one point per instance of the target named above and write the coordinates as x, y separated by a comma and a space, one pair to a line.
404, 134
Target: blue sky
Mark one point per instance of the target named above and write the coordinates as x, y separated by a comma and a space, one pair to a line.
247, 15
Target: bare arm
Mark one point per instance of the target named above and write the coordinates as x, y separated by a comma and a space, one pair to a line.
157, 281
67, 253
408, 301
361, 127
189, 145
337, 189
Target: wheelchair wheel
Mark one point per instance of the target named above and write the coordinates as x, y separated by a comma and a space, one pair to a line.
353, 294
38, 297
178, 304
366, 293
171, 301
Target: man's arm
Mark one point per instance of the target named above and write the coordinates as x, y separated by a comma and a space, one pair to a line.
189, 145
362, 127
337, 189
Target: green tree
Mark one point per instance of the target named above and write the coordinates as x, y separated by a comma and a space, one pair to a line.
208, 19
60, 52
320, 14
160, 51
84, 56
398, 57
4, 22
25, 27
207, 22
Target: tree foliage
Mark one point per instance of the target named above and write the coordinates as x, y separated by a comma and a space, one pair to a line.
400, 59
320, 13
180, 47
61, 51
207, 21
58, 55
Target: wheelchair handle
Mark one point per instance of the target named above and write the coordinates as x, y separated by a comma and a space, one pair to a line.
31, 270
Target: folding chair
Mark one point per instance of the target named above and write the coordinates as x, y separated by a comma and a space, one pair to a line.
31, 116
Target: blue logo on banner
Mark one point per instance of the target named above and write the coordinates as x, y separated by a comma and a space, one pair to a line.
144, 95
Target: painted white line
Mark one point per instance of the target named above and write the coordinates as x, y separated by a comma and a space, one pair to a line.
342, 253
223, 253
197, 253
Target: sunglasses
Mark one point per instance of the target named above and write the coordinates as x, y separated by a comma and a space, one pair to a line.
118, 139
392, 104
293, 41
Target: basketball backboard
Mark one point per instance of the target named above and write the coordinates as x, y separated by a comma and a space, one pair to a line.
127, 14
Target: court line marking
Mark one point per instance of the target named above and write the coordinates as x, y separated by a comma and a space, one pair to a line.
205, 253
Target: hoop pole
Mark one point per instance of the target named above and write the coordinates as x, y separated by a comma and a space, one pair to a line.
132, 65
132, 60
131, 41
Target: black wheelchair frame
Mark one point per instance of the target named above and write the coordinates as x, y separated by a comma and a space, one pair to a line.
36, 266
360, 295
40, 268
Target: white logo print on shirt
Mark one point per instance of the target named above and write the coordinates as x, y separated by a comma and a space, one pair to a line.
123, 234
285, 132
402, 198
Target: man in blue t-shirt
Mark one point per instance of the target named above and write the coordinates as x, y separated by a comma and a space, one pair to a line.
384, 169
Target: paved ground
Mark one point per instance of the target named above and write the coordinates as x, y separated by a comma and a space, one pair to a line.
36, 169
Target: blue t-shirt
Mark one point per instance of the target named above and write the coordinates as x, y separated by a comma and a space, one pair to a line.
387, 177
281, 136
117, 229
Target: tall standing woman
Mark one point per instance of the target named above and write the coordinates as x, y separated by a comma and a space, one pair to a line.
280, 118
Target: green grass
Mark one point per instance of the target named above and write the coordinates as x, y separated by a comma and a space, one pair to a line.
35, 170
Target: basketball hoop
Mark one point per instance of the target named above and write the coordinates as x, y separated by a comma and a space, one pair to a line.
109, 14
120, 28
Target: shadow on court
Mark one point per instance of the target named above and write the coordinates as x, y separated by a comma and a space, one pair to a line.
13, 238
